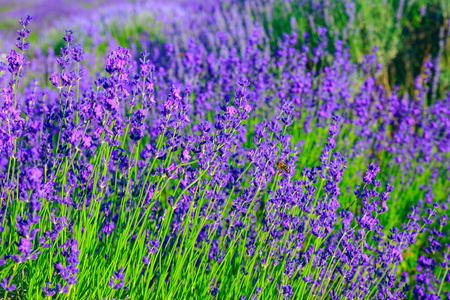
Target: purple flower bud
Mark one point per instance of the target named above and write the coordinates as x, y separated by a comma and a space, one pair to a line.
69, 36
243, 82
54, 79
63, 290
25, 22
47, 291
7, 285
231, 110
25, 245
15, 61
77, 53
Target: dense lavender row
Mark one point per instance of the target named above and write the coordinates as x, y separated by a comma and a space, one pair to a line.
158, 178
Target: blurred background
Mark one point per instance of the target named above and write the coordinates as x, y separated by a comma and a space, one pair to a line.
406, 33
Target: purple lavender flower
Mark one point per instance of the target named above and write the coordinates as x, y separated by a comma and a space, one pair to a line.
47, 290
7, 285
119, 275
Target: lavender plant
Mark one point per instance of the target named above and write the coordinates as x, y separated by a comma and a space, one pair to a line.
157, 177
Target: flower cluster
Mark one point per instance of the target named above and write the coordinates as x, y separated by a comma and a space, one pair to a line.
220, 166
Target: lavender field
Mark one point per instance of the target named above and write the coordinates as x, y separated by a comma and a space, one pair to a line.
258, 149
